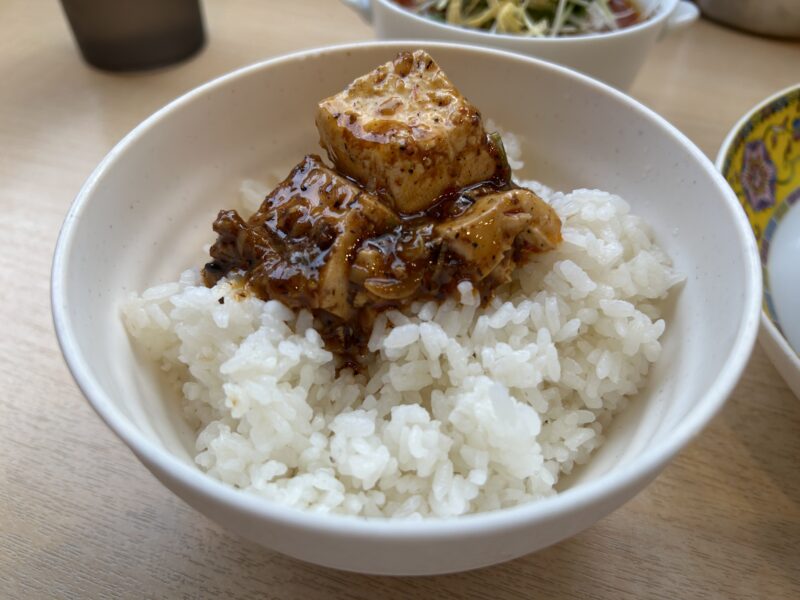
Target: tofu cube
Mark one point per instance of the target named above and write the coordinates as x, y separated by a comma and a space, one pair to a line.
406, 132
312, 223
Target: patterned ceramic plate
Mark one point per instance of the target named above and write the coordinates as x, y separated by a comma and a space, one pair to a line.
760, 159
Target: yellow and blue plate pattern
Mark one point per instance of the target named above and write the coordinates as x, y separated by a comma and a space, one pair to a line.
762, 165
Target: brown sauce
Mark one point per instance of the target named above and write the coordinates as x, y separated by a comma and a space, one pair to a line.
430, 204
626, 13
283, 250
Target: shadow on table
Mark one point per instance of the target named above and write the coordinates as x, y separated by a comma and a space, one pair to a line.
550, 573
765, 420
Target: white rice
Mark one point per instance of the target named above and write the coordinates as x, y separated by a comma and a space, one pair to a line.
462, 408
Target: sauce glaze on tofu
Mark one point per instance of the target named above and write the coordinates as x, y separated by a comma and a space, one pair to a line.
420, 199
405, 131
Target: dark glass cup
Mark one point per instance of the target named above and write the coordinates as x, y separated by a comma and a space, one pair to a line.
123, 35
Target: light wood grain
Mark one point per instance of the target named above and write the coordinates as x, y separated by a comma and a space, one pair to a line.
81, 518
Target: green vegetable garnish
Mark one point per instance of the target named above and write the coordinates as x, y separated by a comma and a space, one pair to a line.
532, 18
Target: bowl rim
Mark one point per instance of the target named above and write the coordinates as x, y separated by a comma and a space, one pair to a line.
662, 12
605, 488
767, 326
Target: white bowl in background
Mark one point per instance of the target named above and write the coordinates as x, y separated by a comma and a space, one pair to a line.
779, 18
614, 57
146, 211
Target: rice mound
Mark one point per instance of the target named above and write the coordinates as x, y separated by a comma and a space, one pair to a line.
461, 409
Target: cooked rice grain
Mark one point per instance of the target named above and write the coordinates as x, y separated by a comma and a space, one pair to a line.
462, 408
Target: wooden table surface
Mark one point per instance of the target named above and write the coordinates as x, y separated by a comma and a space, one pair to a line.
81, 518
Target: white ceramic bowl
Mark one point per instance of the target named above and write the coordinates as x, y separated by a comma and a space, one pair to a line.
145, 212
614, 57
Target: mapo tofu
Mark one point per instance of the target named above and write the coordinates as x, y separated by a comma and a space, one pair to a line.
298, 246
420, 198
